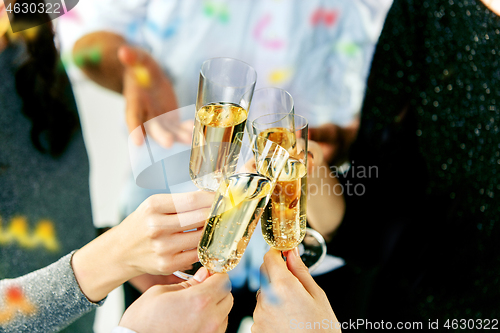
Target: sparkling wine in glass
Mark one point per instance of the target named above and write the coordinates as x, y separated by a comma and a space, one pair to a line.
284, 222
224, 94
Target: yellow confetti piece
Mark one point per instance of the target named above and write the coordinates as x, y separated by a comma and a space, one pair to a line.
279, 76
45, 234
6, 315
18, 232
30, 34
142, 76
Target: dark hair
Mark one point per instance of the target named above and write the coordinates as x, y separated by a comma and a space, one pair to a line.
44, 87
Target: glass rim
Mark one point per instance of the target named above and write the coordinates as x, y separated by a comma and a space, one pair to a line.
249, 151
282, 90
250, 145
303, 125
231, 59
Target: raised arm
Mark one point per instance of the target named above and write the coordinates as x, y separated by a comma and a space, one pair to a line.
151, 240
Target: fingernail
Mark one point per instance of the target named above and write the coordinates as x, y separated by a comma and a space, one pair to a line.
201, 274
296, 252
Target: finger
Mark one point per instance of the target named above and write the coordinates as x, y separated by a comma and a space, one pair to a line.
198, 278
223, 327
180, 202
185, 258
315, 154
134, 116
325, 133
192, 220
184, 241
218, 286
185, 133
161, 134
225, 305
264, 276
130, 56
275, 265
301, 272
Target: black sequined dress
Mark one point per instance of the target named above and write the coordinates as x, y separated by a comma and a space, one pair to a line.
424, 238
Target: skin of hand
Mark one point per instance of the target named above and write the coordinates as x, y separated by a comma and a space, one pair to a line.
135, 74
148, 94
334, 140
298, 298
200, 305
146, 281
325, 200
150, 240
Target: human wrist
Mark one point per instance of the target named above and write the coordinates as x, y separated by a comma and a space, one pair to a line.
100, 266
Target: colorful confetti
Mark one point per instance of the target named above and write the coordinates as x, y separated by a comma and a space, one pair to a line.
279, 76
323, 16
258, 33
72, 15
92, 56
348, 48
15, 302
165, 33
18, 232
28, 34
218, 10
142, 76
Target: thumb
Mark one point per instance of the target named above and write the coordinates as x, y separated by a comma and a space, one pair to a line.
129, 56
201, 275
325, 133
301, 272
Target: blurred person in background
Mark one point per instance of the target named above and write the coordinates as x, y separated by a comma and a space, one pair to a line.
319, 51
423, 240
44, 171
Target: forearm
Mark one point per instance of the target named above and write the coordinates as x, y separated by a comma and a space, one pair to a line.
108, 72
101, 266
325, 203
46, 300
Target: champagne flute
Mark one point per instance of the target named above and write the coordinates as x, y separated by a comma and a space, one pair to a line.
284, 219
224, 94
269, 100
225, 91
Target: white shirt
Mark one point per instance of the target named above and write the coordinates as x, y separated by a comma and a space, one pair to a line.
318, 50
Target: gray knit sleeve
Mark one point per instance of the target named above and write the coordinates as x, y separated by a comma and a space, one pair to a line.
46, 300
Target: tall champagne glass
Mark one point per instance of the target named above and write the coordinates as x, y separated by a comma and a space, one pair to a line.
224, 94
269, 100
284, 219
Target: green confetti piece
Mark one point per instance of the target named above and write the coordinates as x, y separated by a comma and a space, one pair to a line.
209, 9
79, 59
348, 48
224, 15
94, 55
